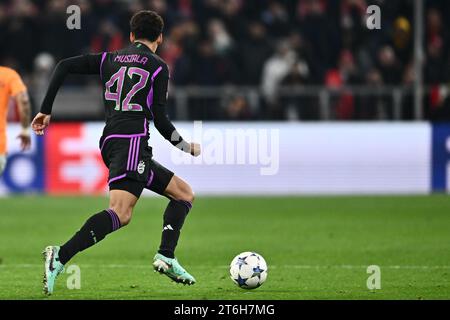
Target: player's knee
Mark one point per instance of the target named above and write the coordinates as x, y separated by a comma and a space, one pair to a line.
179, 190
187, 195
126, 217
124, 213
191, 196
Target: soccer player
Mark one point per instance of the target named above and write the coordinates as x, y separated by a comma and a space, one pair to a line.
135, 83
11, 86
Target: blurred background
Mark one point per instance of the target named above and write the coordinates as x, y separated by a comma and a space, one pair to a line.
251, 60
350, 109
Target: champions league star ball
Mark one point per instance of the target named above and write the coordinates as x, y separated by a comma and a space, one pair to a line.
248, 270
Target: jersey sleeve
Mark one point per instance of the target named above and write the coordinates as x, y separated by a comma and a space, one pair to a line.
160, 86
16, 84
85, 64
160, 117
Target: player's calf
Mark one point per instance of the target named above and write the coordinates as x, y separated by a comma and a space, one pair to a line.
182, 197
98, 226
94, 230
123, 213
164, 262
122, 202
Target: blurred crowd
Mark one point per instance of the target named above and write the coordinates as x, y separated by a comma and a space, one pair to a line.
266, 44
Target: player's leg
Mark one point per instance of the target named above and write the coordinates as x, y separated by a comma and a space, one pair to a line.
125, 184
164, 182
181, 199
95, 229
98, 226
124, 193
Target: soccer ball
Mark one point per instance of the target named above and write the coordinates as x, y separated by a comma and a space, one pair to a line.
248, 270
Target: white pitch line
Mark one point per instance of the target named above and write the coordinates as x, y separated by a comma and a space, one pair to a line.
144, 266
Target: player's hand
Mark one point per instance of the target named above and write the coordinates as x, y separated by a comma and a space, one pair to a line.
25, 139
195, 149
40, 122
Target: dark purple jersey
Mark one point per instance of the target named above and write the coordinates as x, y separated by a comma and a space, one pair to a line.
135, 82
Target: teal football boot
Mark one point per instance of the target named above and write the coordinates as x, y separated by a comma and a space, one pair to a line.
172, 269
52, 268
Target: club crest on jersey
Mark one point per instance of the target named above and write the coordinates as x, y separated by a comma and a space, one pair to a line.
141, 167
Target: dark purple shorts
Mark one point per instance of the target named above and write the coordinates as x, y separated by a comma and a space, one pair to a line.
132, 168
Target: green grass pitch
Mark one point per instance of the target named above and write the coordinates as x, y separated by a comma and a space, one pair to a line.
316, 247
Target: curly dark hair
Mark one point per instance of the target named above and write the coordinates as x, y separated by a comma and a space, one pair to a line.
147, 25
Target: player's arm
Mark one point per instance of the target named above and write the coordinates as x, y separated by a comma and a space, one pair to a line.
23, 103
85, 64
18, 91
161, 119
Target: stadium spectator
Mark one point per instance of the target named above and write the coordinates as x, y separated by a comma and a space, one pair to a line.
374, 106
389, 66
275, 70
238, 109
253, 53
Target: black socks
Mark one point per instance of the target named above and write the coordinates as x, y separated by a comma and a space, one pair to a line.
94, 230
98, 226
174, 217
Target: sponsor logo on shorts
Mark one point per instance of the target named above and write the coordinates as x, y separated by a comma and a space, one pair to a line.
141, 167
